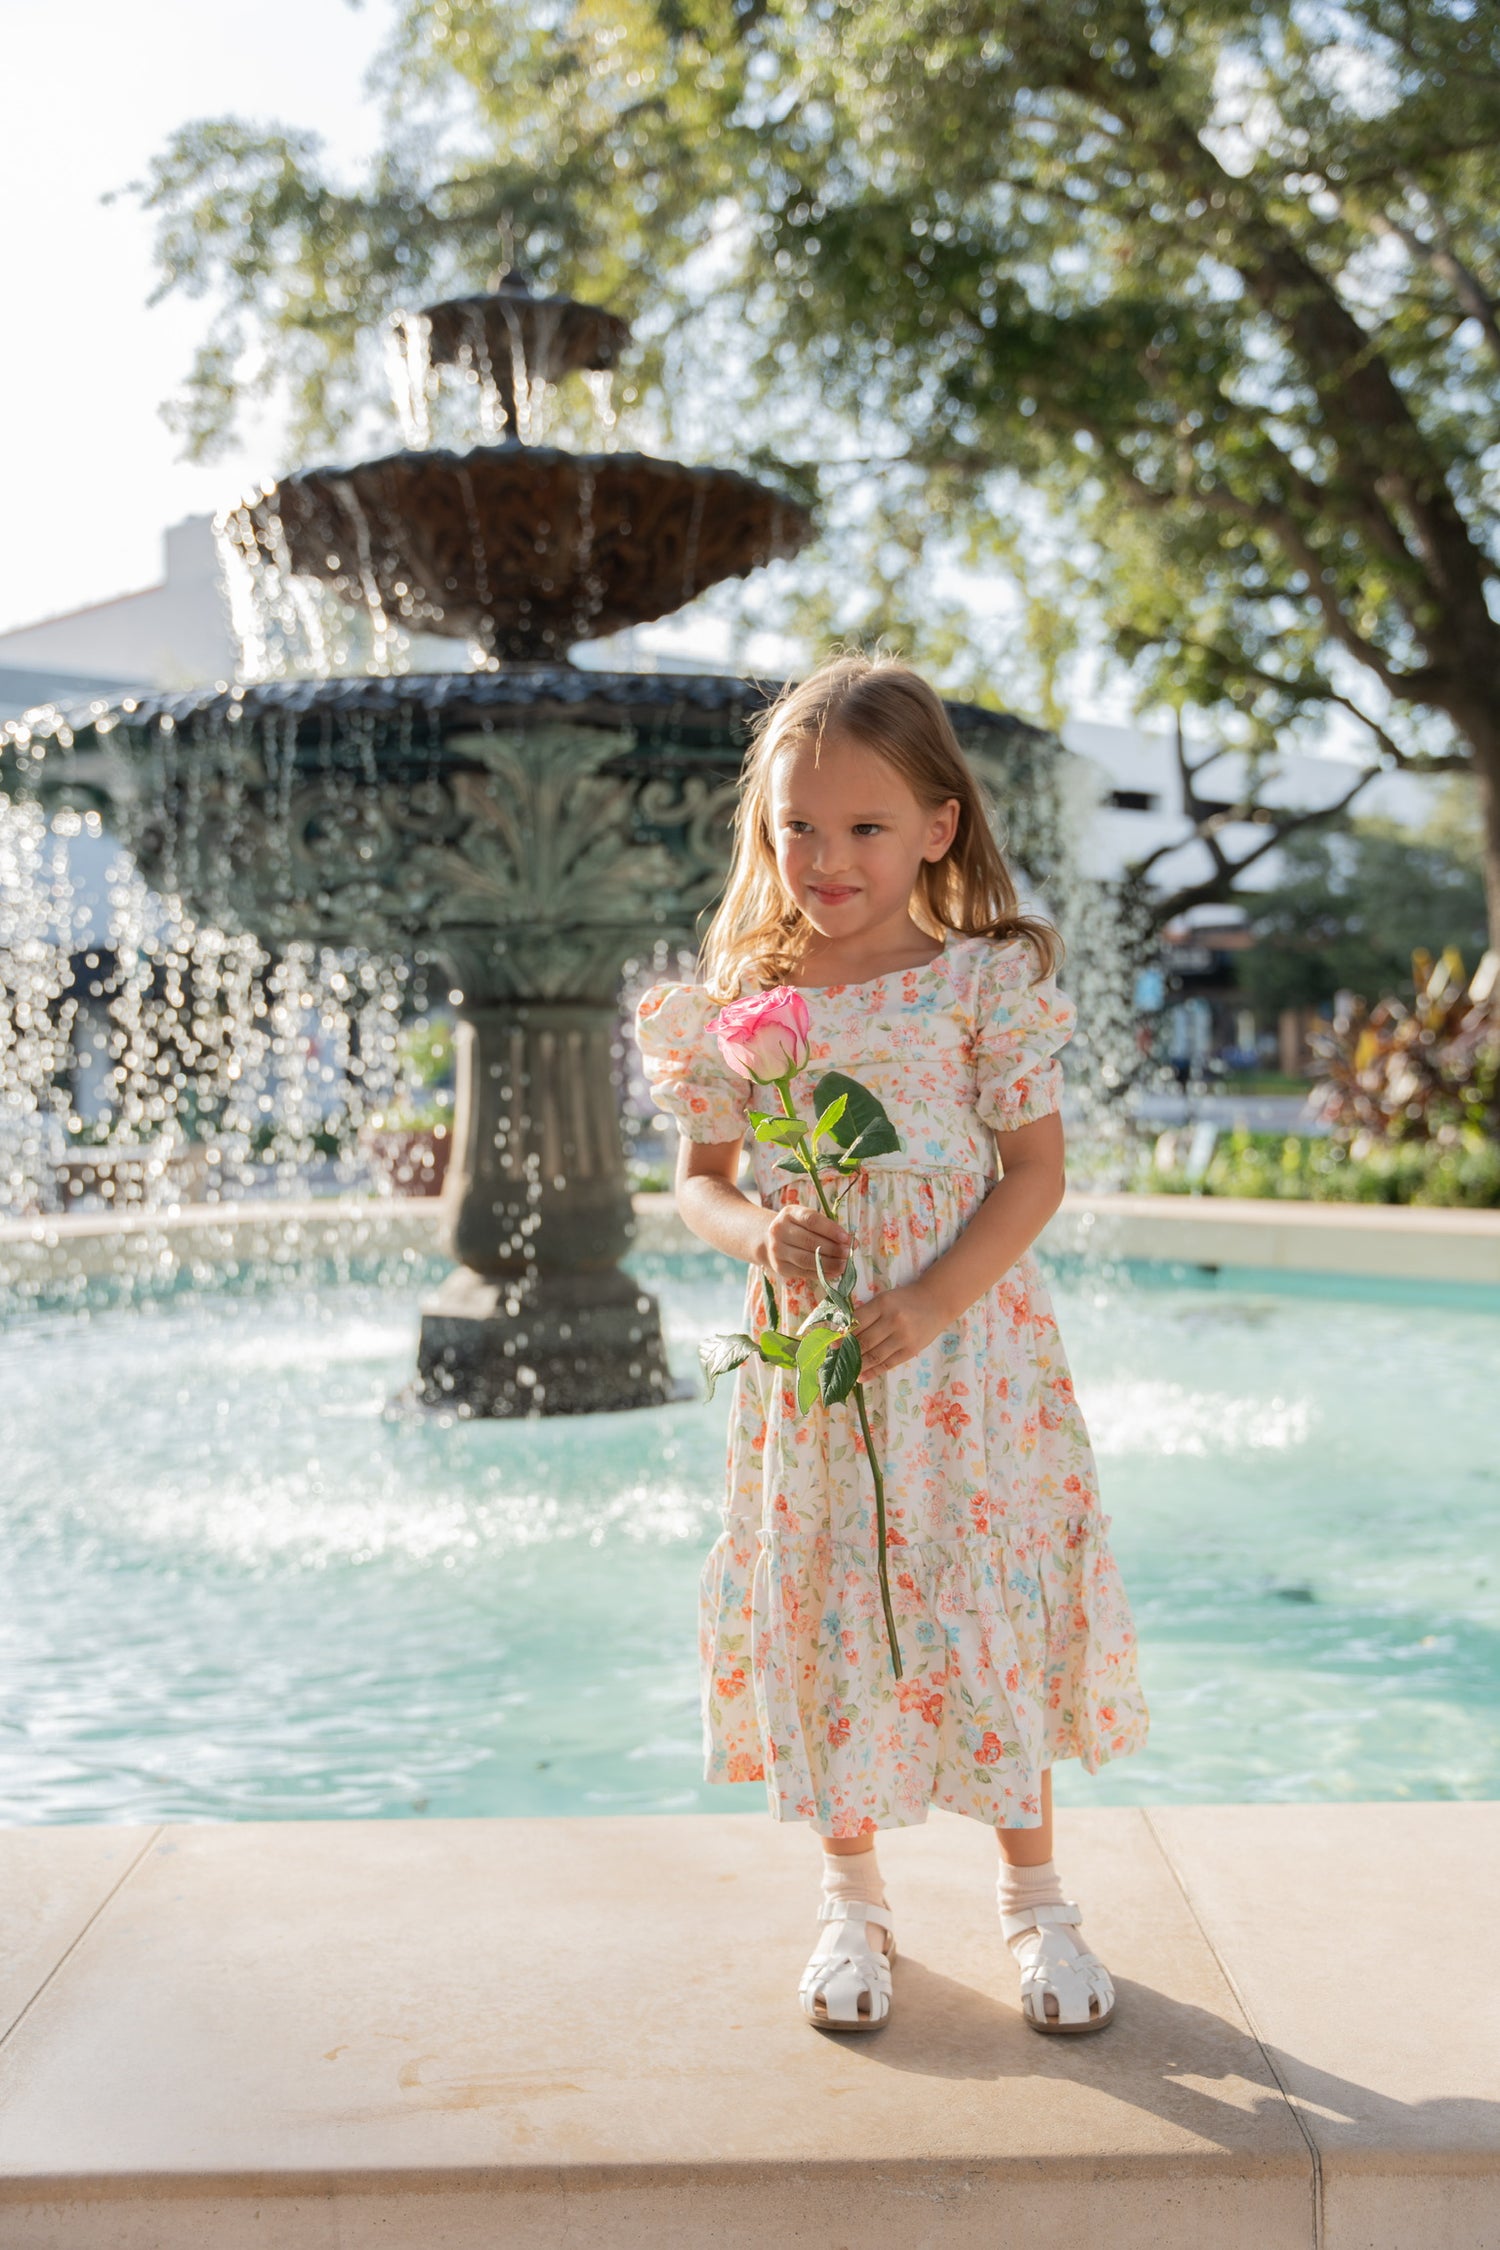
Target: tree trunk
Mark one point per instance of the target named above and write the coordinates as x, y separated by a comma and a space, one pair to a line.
1482, 729
1487, 772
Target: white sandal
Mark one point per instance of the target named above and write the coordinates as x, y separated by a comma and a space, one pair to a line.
845, 1970
1078, 1981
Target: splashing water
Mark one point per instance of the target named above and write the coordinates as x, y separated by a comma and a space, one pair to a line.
148, 1059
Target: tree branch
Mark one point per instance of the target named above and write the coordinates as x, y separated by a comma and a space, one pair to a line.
1265, 516
1441, 255
1218, 888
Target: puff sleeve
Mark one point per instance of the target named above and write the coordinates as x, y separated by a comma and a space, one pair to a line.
687, 1075
1019, 1026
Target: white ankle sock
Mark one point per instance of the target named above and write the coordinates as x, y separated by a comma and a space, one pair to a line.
1019, 1887
853, 1876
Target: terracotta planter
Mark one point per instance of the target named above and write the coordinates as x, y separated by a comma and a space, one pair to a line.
412, 1162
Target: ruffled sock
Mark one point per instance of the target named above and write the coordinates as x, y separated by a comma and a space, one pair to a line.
1019, 1888
853, 1878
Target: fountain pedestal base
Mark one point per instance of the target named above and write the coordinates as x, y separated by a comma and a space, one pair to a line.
569, 1343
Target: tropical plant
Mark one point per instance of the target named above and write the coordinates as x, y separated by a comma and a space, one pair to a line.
1423, 1070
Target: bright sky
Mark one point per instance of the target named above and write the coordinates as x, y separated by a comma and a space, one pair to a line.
89, 91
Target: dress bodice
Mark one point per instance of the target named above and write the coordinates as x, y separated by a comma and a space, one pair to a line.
957, 1051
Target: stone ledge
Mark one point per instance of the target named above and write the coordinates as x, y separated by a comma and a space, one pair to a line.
432, 2036
1362, 1241
1371, 1241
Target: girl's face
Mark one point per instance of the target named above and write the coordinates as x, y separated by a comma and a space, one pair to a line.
850, 835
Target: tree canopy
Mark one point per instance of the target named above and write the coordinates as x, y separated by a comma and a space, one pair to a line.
1181, 314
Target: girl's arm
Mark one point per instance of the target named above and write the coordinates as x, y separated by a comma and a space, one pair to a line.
784, 1243
899, 1323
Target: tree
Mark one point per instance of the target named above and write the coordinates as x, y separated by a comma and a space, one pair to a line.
1213, 283
1354, 903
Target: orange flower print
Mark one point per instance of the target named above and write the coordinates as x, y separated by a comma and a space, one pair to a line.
838, 1733
943, 1411
742, 1767
913, 1696
730, 1684
990, 1751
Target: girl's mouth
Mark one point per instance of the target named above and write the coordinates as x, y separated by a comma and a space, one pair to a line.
833, 894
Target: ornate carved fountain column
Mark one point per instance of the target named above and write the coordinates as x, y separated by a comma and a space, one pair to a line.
548, 893
539, 1318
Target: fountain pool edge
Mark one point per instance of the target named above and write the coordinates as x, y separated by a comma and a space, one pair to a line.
1459, 1251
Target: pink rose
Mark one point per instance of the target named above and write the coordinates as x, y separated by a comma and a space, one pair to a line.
765, 1037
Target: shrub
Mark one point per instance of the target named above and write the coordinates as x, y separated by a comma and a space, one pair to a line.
1462, 1174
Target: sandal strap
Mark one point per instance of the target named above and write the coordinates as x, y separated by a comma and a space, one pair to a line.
1038, 1917
855, 1910
1075, 1981
843, 1975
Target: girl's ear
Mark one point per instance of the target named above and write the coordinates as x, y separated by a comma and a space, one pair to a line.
941, 830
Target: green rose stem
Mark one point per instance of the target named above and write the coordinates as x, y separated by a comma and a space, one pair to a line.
782, 1088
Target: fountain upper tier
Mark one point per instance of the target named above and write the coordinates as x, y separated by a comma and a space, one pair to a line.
508, 342
521, 549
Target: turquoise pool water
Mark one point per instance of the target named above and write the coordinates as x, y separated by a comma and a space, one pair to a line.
235, 1589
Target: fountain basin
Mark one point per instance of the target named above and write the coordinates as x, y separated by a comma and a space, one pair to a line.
523, 550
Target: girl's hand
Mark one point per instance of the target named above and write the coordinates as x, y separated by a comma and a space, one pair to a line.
893, 1327
794, 1236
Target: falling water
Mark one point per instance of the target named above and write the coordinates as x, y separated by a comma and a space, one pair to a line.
601, 385
288, 626
532, 373
149, 1059
410, 370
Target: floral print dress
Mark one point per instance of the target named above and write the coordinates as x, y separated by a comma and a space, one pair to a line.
1015, 1633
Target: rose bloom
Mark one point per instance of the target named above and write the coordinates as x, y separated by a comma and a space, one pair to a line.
766, 1037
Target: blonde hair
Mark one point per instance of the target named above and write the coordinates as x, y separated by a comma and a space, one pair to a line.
758, 934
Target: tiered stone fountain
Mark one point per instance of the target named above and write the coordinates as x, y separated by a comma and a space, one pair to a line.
529, 824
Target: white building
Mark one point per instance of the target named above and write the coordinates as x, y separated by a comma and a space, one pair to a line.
174, 634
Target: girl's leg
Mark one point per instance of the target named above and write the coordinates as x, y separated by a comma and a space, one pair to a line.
851, 1871
1029, 1879
1030, 1847
846, 1985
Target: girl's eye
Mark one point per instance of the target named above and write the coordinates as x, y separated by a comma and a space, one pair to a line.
867, 828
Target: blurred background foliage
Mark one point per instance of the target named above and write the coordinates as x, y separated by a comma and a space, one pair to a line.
1356, 900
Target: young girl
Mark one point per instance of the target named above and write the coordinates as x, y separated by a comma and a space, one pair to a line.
866, 875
